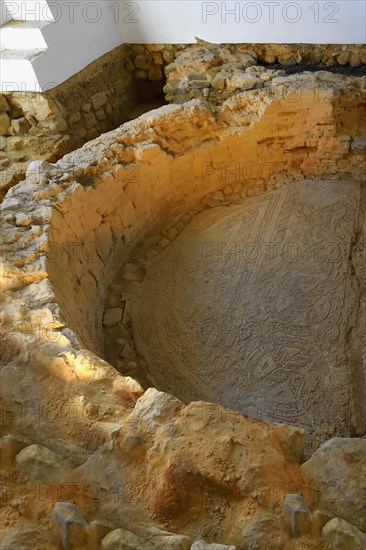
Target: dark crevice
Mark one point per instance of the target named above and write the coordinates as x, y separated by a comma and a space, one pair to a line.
345, 70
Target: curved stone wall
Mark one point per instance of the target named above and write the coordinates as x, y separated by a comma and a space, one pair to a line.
67, 230
95, 204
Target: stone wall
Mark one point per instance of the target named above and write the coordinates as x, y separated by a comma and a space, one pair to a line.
185, 62
109, 195
147, 61
216, 72
103, 95
48, 125
328, 55
67, 229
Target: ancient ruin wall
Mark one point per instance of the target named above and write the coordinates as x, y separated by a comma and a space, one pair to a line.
103, 95
101, 200
179, 155
47, 125
68, 228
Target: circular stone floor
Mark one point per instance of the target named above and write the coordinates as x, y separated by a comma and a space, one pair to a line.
250, 307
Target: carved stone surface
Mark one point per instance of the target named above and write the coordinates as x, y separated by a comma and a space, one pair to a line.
251, 305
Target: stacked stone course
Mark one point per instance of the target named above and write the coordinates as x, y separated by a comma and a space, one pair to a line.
105, 94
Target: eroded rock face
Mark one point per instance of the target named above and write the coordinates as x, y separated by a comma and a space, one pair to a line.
341, 535
253, 296
72, 526
144, 537
37, 464
202, 545
338, 469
